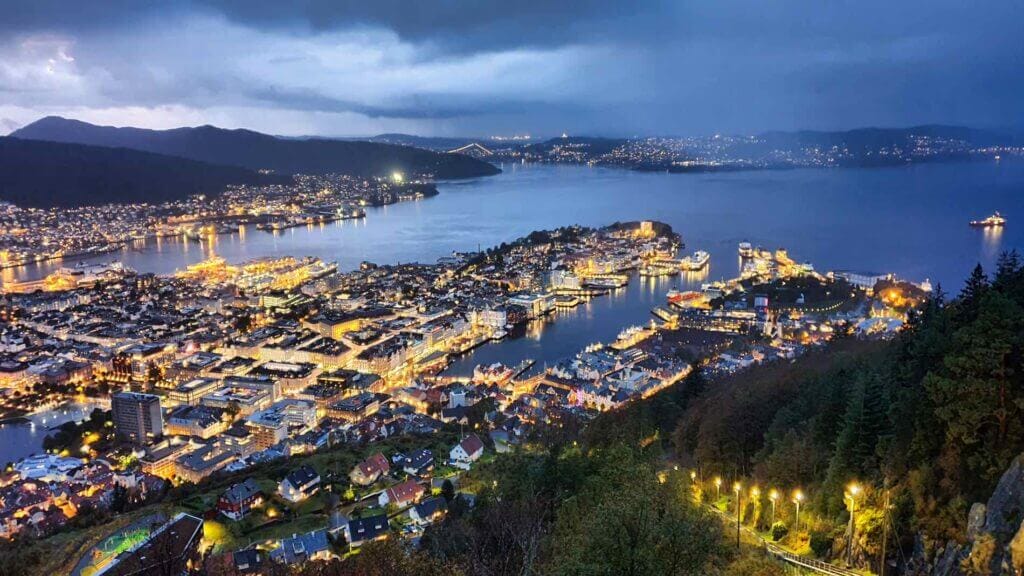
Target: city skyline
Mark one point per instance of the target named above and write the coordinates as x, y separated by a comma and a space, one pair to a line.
341, 69
452, 288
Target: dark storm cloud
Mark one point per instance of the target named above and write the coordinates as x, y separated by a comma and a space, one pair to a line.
583, 66
469, 25
461, 26
418, 107
68, 15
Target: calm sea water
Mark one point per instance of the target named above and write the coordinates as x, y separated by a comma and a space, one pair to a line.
23, 438
909, 220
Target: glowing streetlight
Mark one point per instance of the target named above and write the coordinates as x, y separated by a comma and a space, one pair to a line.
798, 497
738, 489
718, 487
773, 495
851, 492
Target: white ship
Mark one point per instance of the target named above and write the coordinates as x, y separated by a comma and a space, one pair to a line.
697, 261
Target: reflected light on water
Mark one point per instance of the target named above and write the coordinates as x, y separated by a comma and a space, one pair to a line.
535, 329
698, 275
992, 241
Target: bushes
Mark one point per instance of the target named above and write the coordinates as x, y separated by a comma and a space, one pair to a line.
779, 531
821, 543
755, 567
600, 512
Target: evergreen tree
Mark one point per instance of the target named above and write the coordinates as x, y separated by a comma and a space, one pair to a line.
974, 289
448, 491
1007, 268
977, 392
119, 499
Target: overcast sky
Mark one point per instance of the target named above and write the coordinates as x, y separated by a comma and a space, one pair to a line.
340, 67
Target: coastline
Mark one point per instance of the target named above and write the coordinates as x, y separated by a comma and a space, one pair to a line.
422, 191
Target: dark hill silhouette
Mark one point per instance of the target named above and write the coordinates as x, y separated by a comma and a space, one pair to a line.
256, 151
47, 174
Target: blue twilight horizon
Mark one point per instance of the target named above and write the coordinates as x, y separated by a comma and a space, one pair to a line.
323, 67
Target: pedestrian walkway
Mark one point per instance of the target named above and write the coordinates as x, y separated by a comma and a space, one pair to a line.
816, 566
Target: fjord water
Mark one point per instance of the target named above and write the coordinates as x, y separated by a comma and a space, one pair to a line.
908, 220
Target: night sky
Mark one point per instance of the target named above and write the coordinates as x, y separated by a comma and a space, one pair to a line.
339, 67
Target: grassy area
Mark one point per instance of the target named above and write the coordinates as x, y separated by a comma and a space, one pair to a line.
220, 535
61, 552
280, 530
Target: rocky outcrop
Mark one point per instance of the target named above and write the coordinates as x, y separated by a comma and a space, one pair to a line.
1005, 508
976, 520
995, 535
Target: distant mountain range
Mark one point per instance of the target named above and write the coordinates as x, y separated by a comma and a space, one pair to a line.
863, 139
100, 164
256, 151
41, 174
440, 143
591, 144
863, 147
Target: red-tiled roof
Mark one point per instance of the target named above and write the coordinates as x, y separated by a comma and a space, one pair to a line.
379, 462
405, 492
471, 444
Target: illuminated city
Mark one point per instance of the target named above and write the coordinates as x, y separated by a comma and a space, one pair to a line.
543, 289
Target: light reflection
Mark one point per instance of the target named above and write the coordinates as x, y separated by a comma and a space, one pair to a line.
694, 276
992, 240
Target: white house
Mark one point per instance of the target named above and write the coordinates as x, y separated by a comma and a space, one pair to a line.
299, 484
466, 452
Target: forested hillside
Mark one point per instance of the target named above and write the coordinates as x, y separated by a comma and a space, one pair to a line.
928, 422
40, 174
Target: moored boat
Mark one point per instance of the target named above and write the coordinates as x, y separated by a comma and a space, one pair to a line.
697, 261
992, 221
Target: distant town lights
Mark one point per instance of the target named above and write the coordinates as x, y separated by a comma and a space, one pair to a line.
397, 177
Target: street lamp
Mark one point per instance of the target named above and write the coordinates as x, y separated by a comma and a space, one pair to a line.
755, 497
851, 492
798, 497
773, 496
718, 488
738, 489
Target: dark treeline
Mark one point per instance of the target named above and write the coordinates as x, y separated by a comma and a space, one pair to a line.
563, 511
932, 418
41, 174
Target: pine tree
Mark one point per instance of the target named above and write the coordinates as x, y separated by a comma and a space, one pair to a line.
448, 491
1007, 268
974, 290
